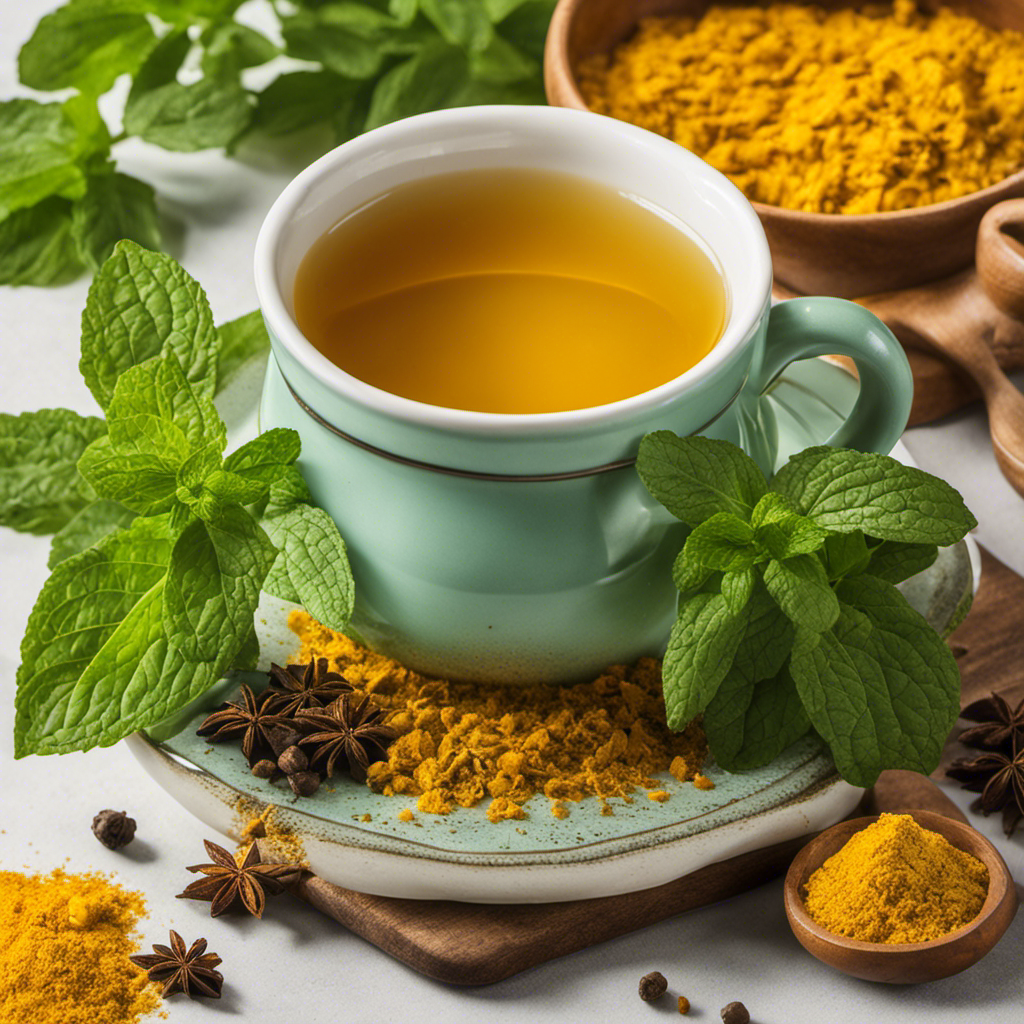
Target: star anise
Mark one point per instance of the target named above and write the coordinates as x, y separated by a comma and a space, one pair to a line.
1000, 725
354, 734
312, 685
191, 972
252, 718
227, 883
1000, 780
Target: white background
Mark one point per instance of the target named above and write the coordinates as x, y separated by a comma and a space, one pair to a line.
296, 965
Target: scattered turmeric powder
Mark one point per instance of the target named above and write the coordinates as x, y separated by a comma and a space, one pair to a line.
65, 945
845, 111
895, 881
461, 743
278, 842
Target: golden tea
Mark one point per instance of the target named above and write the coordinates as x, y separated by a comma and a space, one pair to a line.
509, 291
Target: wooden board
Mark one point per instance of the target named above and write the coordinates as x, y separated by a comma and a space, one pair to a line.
476, 944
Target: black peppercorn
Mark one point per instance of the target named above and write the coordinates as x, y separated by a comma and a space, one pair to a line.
304, 783
293, 760
264, 769
653, 986
735, 1013
113, 829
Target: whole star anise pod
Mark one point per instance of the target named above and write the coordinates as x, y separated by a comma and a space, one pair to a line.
191, 972
227, 883
1000, 780
999, 724
252, 718
312, 685
353, 733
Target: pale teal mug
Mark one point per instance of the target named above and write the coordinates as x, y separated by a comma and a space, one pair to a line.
524, 547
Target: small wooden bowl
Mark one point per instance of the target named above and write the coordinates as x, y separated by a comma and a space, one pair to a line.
911, 962
812, 253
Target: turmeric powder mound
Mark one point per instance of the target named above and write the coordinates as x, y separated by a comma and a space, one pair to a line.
461, 743
65, 946
895, 881
845, 111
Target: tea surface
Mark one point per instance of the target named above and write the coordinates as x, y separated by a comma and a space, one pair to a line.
509, 291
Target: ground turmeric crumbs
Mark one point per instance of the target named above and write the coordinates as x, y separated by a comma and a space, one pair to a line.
461, 743
846, 111
895, 881
65, 945
278, 842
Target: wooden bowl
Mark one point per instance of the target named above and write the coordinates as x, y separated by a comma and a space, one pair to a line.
911, 962
812, 253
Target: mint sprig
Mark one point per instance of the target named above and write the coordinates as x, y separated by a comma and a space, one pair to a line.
164, 541
789, 621
64, 202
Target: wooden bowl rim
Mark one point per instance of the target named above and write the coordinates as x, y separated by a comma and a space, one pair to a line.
556, 58
1000, 886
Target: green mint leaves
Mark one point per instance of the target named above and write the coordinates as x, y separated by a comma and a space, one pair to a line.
63, 201
164, 542
789, 620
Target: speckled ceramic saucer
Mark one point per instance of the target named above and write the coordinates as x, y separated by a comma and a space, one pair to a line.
541, 859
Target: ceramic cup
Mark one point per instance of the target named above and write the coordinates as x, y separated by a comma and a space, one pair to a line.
508, 547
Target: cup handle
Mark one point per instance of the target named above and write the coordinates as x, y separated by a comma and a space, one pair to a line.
806, 327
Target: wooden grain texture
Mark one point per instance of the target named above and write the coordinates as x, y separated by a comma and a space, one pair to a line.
479, 944
912, 962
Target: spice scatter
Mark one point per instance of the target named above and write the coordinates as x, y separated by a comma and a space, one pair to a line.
462, 743
65, 943
896, 882
848, 111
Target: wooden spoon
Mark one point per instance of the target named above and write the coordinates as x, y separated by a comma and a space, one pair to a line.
962, 317
911, 962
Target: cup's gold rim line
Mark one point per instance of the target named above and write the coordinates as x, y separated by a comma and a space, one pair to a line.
470, 474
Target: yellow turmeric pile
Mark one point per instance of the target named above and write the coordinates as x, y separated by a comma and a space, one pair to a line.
849, 111
460, 743
64, 946
895, 881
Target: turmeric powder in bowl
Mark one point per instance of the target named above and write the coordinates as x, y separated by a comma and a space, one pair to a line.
850, 111
896, 882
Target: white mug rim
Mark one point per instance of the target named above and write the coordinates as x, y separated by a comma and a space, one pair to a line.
747, 303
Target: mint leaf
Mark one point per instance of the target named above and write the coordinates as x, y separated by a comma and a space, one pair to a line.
241, 340
523, 23
39, 150
232, 45
738, 588
801, 589
313, 564
86, 528
502, 63
464, 23
846, 554
696, 477
213, 584
85, 45
264, 458
143, 483
844, 491
687, 575
749, 724
114, 206
700, 652
36, 246
161, 65
40, 488
155, 410
346, 44
298, 99
895, 562
781, 531
430, 80
79, 608
140, 305
723, 542
207, 114
881, 687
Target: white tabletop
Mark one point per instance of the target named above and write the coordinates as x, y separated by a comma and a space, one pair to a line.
296, 965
